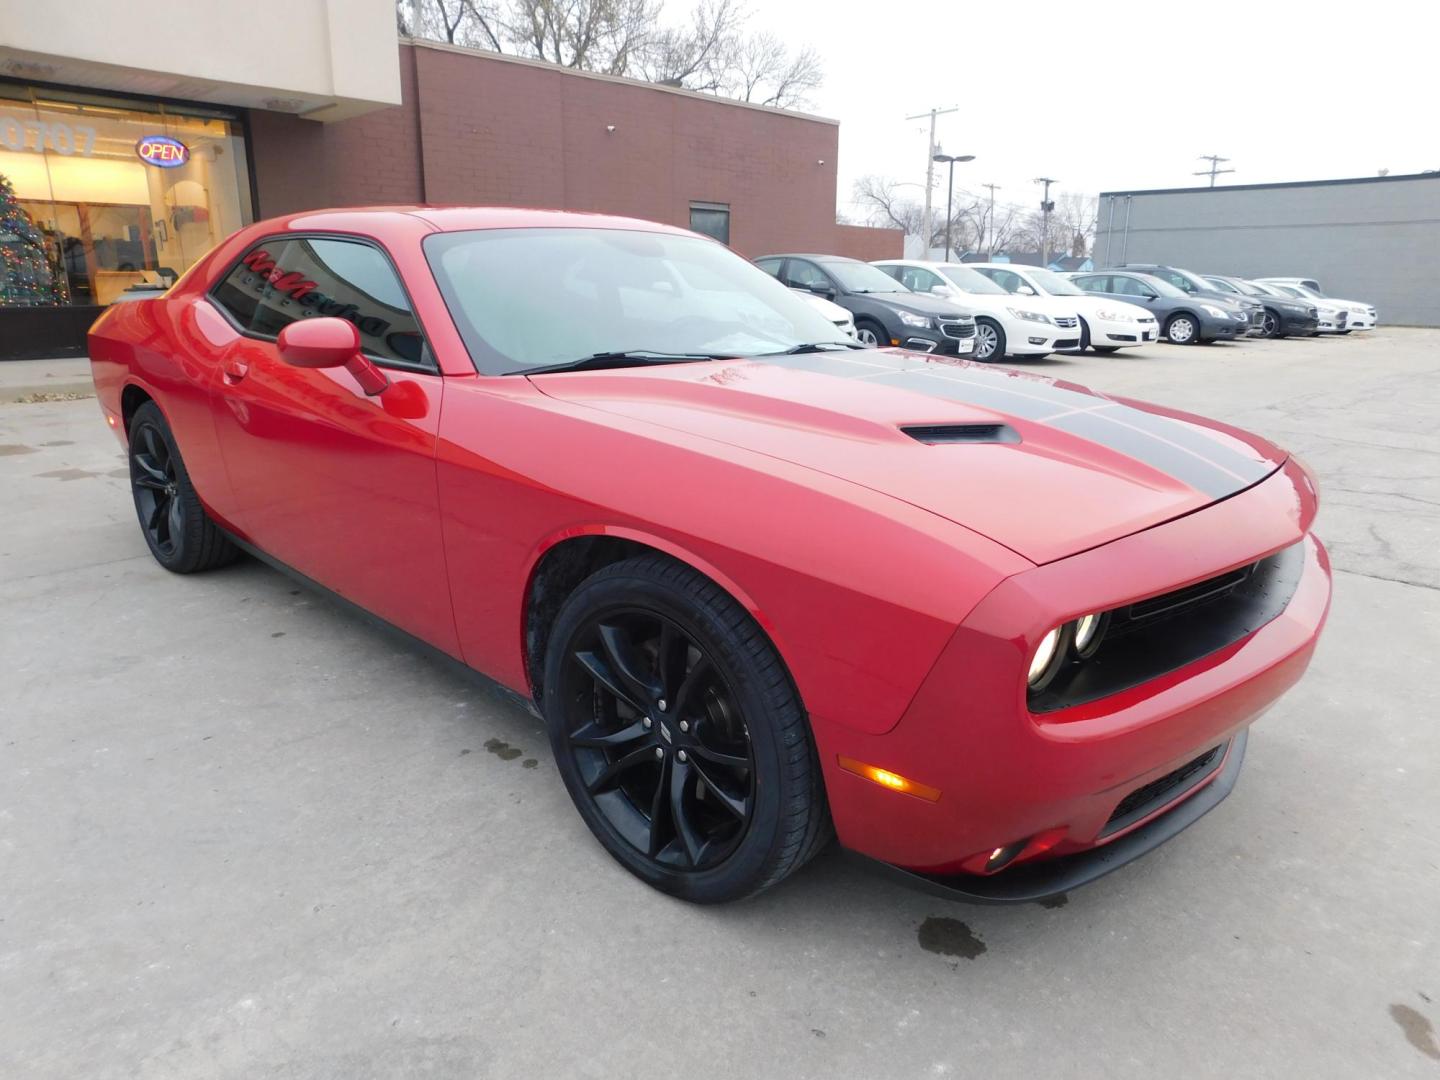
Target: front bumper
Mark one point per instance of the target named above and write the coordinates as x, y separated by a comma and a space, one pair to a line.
1107, 332
1006, 774
1026, 338
1213, 329
1361, 321
1048, 878
937, 342
1298, 324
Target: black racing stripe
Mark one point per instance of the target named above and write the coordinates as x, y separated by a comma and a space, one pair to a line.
1170, 446
1173, 461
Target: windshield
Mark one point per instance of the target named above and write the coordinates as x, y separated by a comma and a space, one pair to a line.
863, 278
525, 298
971, 281
1305, 290
1053, 283
1249, 288
1284, 290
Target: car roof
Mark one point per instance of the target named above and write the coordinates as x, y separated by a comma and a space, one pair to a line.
466, 218
808, 255
1018, 267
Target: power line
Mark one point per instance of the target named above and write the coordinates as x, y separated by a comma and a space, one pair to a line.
1214, 170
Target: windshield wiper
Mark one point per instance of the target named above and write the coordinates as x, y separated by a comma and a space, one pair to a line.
623, 358
816, 346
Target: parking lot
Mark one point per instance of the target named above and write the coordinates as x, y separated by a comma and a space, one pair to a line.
245, 834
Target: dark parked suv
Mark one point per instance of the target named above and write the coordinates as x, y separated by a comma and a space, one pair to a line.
1201, 289
1183, 318
886, 312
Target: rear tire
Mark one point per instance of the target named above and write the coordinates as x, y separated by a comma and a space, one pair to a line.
1187, 328
178, 531
679, 735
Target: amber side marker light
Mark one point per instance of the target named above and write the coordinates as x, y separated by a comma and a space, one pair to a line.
887, 779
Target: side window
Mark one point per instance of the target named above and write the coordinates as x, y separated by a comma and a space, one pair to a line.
1129, 286
891, 269
804, 274
1181, 283
770, 266
1006, 279
1094, 283
921, 280
284, 279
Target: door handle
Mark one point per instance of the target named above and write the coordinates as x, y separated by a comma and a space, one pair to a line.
235, 370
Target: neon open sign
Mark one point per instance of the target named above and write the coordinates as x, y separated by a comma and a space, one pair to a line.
162, 151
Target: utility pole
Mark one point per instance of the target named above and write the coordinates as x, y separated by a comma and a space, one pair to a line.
1214, 170
1045, 207
989, 252
930, 168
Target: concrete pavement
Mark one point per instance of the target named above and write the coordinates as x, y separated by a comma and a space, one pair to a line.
244, 835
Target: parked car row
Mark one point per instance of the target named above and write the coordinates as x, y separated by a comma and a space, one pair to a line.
992, 310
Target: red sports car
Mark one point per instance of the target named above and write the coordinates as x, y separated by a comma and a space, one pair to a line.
994, 630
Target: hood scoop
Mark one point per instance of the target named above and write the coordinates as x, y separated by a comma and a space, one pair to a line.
945, 434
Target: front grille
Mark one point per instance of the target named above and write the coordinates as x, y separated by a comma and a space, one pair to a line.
1066, 322
1163, 633
1257, 318
1068, 343
958, 329
1312, 313
1144, 801
1342, 318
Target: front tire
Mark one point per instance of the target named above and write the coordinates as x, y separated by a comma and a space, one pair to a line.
178, 531
1183, 329
989, 341
1270, 325
870, 333
678, 733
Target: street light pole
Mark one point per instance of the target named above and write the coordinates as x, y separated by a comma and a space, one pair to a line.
930, 166
950, 192
1045, 207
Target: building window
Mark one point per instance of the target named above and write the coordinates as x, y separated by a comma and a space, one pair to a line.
101, 195
711, 219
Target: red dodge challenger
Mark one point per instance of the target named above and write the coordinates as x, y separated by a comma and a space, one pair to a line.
995, 631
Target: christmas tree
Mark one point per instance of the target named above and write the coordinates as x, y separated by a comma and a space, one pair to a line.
30, 273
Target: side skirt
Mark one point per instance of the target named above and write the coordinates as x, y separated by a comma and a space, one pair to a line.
403, 637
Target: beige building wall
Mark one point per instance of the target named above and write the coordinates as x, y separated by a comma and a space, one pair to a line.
321, 59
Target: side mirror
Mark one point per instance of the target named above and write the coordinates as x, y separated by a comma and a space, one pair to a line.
1025, 290
940, 290
328, 343
1150, 296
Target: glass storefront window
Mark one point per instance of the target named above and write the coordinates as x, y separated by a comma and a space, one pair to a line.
99, 196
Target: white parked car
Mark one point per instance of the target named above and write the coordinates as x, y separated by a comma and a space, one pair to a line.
1105, 325
1005, 325
1362, 316
832, 311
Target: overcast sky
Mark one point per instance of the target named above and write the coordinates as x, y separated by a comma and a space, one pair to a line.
1120, 95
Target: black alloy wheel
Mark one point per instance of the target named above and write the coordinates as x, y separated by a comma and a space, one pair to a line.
157, 490
176, 527
679, 735
1269, 324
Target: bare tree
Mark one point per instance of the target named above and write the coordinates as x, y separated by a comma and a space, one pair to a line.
884, 206
1078, 216
609, 36
708, 53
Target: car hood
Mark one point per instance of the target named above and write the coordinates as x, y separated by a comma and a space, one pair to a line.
1089, 304
1044, 467
919, 303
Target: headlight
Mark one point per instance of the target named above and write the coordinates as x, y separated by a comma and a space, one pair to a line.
1214, 312
911, 319
1045, 663
1114, 316
1089, 629
1029, 316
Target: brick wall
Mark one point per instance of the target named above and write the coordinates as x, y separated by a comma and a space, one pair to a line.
477, 129
868, 243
